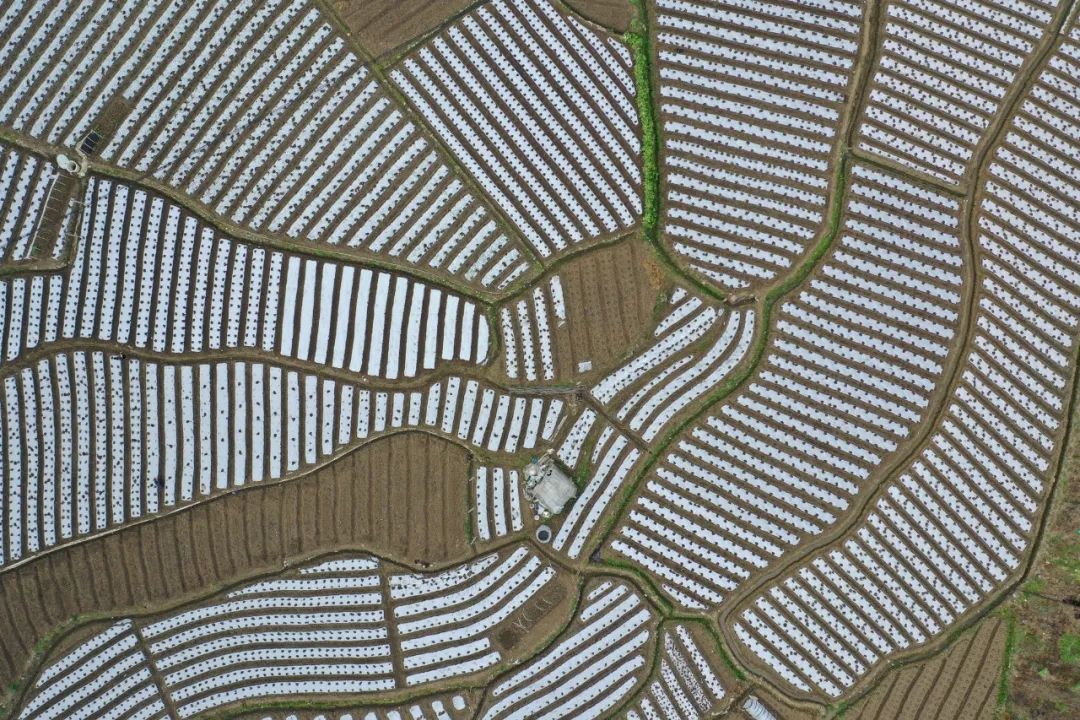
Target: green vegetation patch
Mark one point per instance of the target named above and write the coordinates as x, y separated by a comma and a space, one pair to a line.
1069, 648
1007, 660
638, 41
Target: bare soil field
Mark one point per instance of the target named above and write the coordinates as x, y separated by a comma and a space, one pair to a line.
1044, 672
613, 14
610, 298
593, 312
416, 497
381, 26
959, 683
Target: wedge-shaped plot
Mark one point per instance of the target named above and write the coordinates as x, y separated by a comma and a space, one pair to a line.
94, 440
257, 110
348, 625
461, 621
952, 528
685, 683
606, 457
149, 275
944, 67
37, 220
591, 314
853, 366
590, 669
694, 348
540, 109
752, 96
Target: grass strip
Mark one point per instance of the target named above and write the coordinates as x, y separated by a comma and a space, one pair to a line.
639, 40
1007, 663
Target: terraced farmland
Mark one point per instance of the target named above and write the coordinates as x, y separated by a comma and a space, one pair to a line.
517, 359
953, 525
306, 640
785, 455
540, 109
751, 102
258, 113
147, 275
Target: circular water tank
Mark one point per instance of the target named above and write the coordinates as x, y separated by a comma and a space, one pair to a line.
66, 163
543, 534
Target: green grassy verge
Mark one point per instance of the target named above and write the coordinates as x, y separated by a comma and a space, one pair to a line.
721, 649
639, 40
1006, 663
641, 47
644, 581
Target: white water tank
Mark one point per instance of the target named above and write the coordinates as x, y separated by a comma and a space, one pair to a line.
67, 164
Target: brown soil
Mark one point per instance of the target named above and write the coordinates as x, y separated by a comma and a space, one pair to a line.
416, 500
957, 684
107, 123
359, 501
1044, 682
612, 14
382, 25
609, 306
